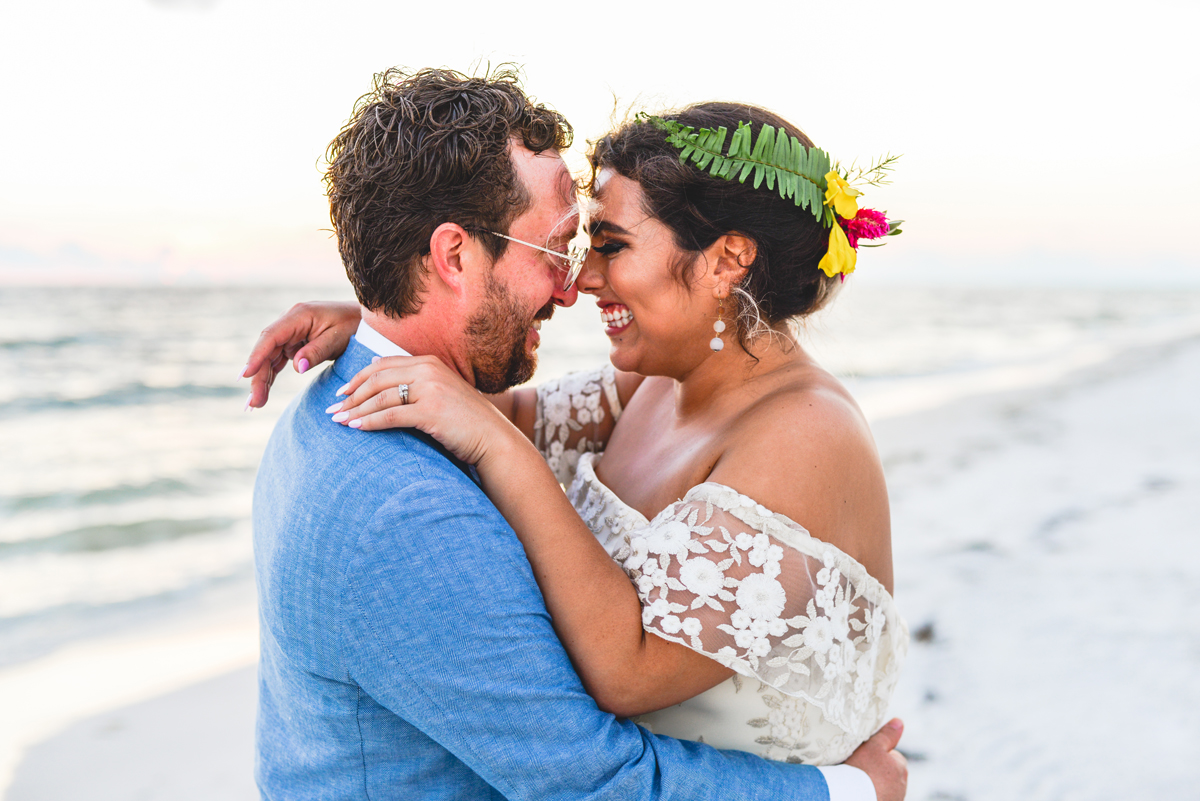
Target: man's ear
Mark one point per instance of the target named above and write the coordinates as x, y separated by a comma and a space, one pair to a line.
734, 253
452, 256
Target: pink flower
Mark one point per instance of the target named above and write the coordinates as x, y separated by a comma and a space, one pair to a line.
867, 224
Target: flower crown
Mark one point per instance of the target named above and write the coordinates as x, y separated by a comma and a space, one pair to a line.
806, 175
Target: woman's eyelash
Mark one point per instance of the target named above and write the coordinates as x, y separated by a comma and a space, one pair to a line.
608, 248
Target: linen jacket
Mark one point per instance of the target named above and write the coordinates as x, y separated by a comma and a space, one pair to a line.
407, 651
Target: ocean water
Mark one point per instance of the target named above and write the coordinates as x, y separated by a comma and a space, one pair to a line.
127, 461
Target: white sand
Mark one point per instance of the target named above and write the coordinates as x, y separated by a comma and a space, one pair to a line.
97, 686
1049, 540
1046, 553
196, 744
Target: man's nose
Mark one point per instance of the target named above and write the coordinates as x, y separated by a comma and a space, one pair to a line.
564, 297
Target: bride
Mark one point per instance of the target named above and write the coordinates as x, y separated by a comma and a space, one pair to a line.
720, 566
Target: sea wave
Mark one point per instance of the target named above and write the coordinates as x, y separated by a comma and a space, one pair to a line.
133, 394
120, 493
112, 536
43, 344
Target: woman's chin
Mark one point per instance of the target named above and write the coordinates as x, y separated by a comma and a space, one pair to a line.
623, 358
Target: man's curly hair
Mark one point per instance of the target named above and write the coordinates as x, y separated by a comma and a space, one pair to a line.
423, 149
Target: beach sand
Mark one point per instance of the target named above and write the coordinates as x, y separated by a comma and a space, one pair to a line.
1048, 564
1046, 561
163, 711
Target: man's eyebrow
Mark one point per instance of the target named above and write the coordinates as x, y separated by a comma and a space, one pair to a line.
596, 227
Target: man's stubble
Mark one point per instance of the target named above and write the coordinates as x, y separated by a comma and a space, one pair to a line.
496, 337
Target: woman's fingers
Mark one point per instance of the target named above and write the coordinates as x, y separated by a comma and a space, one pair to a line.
325, 346
261, 381
375, 390
393, 416
436, 400
376, 387
371, 402
293, 327
308, 334
382, 373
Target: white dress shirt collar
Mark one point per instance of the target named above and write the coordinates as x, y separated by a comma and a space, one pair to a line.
376, 342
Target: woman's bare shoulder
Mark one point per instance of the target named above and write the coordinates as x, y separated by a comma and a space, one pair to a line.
808, 410
805, 450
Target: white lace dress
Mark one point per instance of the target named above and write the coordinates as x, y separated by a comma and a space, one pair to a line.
815, 642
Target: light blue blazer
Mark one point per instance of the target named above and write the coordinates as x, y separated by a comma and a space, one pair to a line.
406, 649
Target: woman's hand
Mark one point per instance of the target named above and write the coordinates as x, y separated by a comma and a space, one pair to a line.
440, 403
308, 334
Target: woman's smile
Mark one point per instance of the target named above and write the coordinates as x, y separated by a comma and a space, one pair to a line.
616, 316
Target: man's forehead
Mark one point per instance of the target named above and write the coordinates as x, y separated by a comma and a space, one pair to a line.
554, 211
556, 176
564, 197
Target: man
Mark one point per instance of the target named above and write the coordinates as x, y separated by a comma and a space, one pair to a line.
406, 650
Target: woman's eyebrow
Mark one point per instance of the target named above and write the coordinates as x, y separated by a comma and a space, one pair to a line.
596, 227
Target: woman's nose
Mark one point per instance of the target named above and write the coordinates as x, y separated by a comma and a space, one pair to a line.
591, 277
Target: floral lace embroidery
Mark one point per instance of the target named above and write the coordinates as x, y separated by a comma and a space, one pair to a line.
723, 575
572, 418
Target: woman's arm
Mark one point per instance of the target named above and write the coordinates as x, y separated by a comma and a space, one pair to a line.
314, 332
311, 333
594, 607
596, 610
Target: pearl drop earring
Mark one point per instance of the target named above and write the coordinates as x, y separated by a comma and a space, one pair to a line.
719, 326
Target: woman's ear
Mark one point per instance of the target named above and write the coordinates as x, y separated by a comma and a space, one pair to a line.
734, 255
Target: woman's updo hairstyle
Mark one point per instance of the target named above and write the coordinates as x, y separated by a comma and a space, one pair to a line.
783, 282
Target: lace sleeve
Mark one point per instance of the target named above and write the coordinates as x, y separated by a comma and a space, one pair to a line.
720, 573
575, 415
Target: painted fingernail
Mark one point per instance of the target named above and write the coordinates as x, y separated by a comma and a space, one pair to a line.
242, 374
303, 365
341, 417
355, 424
375, 359
333, 408
248, 407
343, 390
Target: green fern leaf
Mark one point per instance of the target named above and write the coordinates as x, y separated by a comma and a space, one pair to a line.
782, 157
795, 171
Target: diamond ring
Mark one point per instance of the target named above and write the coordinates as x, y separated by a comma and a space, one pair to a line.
403, 393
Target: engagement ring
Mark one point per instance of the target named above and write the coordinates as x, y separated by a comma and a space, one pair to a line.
403, 393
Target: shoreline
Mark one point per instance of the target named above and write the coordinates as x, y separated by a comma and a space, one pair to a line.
1009, 508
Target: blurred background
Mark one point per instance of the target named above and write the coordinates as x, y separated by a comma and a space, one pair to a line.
162, 203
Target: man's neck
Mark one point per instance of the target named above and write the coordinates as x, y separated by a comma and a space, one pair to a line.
415, 336
376, 342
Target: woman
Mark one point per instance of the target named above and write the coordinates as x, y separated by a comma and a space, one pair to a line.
732, 581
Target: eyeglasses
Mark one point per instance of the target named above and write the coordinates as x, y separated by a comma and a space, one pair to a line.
569, 264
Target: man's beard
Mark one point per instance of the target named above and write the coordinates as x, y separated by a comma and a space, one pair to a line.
496, 338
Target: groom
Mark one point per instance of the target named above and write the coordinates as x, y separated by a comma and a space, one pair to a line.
406, 650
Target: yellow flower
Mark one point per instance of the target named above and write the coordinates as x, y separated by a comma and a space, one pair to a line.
841, 196
840, 258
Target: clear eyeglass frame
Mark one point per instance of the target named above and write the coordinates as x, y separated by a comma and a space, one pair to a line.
570, 264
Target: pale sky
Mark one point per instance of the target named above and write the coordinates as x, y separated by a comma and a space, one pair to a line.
178, 142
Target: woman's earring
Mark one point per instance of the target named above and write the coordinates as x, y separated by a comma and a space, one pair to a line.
719, 326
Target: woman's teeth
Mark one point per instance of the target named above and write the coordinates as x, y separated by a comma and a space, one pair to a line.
616, 316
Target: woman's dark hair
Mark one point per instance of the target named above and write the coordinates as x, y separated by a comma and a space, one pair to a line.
424, 149
783, 282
